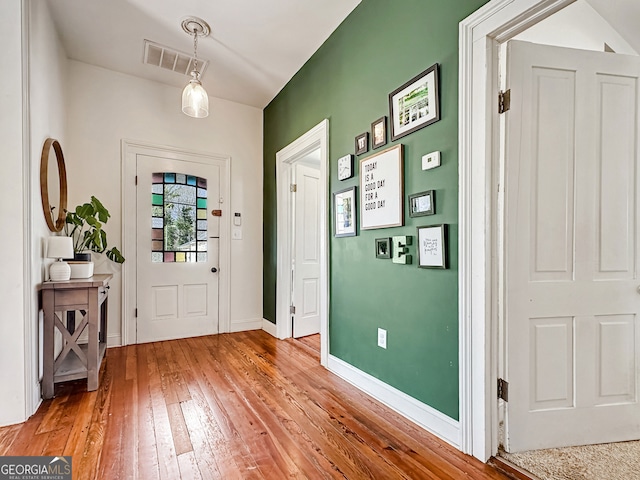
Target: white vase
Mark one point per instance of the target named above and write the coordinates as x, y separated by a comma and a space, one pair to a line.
59, 271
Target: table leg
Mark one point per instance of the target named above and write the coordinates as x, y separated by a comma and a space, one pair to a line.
47, 359
93, 367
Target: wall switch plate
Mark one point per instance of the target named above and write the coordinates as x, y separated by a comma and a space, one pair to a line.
382, 338
236, 233
430, 160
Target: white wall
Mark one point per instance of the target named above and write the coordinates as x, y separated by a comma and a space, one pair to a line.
47, 87
12, 216
577, 26
105, 107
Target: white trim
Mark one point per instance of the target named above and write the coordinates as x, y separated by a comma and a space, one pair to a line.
129, 150
245, 325
317, 137
480, 34
421, 414
31, 356
269, 327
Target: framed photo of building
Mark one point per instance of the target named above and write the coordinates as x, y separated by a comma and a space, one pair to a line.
415, 104
345, 212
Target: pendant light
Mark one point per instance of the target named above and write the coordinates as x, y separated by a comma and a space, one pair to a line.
195, 101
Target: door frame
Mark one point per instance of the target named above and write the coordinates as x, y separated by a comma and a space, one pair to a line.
317, 137
480, 35
129, 150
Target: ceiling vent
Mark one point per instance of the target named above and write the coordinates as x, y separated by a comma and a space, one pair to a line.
171, 59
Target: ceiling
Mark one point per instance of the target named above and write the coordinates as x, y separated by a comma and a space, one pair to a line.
255, 47
623, 15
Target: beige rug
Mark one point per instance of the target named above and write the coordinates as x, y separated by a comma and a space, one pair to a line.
609, 461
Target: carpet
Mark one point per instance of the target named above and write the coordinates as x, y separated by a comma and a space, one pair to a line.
608, 461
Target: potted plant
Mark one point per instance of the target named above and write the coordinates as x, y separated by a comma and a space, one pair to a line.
84, 225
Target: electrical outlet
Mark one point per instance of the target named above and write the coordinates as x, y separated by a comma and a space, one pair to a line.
382, 338
236, 233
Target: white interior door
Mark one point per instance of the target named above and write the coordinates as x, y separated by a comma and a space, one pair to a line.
571, 267
177, 239
306, 248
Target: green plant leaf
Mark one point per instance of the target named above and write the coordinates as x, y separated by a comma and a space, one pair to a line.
115, 255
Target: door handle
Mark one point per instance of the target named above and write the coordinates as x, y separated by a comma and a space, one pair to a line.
214, 269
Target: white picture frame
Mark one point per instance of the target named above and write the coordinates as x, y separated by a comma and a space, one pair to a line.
345, 212
382, 189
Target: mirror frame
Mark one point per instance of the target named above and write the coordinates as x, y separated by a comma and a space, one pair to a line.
47, 208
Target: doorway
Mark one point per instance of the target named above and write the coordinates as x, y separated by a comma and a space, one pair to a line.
176, 232
302, 270
481, 35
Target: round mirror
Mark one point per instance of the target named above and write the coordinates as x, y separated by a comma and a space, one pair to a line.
53, 185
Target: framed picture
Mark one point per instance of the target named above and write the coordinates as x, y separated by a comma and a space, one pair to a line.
423, 203
381, 189
415, 104
379, 133
383, 248
432, 246
345, 211
362, 143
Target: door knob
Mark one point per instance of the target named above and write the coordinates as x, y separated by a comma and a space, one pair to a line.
214, 269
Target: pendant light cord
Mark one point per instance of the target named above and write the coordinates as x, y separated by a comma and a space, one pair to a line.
195, 52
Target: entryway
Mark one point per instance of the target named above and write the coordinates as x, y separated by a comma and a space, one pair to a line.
302, 186
177, 223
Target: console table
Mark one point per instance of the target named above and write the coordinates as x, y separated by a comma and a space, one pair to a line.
89, 296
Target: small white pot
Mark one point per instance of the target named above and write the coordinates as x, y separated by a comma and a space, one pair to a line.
80, 269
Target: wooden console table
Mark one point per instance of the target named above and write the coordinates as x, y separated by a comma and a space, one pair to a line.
89, 296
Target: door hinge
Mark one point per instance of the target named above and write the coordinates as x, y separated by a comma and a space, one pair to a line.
504, 101
294, 188
136, 313
503, 389
136, 179
292, 309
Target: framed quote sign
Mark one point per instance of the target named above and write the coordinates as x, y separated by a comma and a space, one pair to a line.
381, 189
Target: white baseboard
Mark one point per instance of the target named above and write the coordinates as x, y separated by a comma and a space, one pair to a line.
245, 325
270, 328
420, 413
114, 340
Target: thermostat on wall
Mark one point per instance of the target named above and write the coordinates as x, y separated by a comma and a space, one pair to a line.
430, 160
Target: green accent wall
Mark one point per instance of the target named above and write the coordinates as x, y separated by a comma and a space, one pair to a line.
380, 46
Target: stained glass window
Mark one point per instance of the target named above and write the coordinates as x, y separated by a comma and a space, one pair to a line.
179, 218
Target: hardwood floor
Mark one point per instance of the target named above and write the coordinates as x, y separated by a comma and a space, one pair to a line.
231, 406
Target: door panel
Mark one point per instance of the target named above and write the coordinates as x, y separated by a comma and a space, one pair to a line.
306, 268
571, 208
177, 294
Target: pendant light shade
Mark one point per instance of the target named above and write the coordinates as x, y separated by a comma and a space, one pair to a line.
195, 101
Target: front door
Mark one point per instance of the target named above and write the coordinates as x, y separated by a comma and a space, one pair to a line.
178, 230
306, 247
571, 239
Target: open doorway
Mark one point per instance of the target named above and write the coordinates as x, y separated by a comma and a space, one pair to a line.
481, 35
572, 368
302, 270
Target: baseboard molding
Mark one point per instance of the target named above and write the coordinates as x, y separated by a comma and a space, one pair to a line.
245, 325
114, 340
419, 413
270, 328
